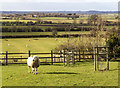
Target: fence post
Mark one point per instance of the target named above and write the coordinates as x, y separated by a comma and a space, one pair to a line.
107, 58
79, 54
83, 55
73, 57
97, 61
51, 57
94, 53
6, 57
29, 53
64, 57
60, 56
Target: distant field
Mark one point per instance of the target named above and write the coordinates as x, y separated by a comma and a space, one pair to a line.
17, 20
25, 33
108, 16
37, 44
40, 45
61, 19
65, 20
43, 33
86, 17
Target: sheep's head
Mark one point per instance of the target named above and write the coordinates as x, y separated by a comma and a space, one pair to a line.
35, 59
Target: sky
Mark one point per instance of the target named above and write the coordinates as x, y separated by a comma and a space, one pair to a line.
58, 5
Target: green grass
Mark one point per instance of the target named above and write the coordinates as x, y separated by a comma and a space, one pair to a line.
109, 17
25, 33
40, 45
57, 18
61, 19
42, 33
17, 20
82, 74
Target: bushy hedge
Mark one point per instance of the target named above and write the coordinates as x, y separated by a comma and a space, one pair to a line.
40, 29
21, 29
29, 23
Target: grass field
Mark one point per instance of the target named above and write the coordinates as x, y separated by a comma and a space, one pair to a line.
109, 17
40, 45
17, 20
81, 74
36, 44
64, 18
43, 33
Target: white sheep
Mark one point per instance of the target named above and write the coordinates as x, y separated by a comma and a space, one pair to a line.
33, 62
8, 44
26, 45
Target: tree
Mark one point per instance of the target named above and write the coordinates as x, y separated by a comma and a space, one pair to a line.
93, 19
54, 32
114, 45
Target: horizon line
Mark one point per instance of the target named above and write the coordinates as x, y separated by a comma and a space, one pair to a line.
63, 10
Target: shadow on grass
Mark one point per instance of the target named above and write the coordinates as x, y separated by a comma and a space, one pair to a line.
115, 61
114, 69
58, 64
61, 73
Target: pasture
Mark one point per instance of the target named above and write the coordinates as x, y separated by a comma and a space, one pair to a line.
64, 18
37, 44
43, 33
109, 17
81, 74
3, 20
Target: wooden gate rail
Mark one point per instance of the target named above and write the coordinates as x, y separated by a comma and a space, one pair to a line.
80, 54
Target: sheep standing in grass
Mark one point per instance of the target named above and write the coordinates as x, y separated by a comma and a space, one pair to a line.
33, 62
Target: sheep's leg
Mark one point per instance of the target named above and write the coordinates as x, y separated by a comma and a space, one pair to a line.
29, 69
36, 70
33, 70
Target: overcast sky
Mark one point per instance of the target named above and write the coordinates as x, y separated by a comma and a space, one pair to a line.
61, 5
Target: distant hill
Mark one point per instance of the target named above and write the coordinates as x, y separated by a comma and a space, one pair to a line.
77, 12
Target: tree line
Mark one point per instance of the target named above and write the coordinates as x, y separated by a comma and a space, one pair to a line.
42, 29
39, 22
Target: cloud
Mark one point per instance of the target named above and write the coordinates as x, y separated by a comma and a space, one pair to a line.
50, 6
73, 1
18, 1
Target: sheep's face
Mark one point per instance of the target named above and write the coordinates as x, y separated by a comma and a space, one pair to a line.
35, 59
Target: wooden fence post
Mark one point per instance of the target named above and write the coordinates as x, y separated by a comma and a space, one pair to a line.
79, 54
107, 58
29, 53
94, 53
6, 57
83, 55
97, 65
64, 57
51, 57
73, 58
60, 56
